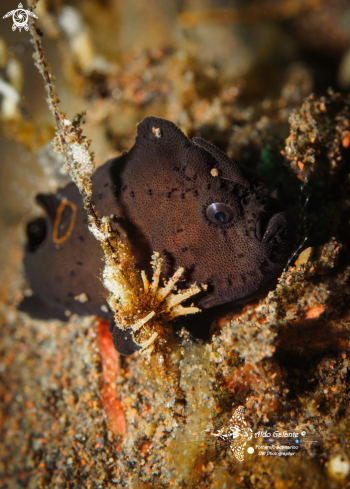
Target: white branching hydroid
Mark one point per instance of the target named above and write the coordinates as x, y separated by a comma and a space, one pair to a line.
139, 306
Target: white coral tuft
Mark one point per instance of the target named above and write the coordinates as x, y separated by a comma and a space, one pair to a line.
159, 305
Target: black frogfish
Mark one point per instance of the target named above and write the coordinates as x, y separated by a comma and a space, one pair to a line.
185, 199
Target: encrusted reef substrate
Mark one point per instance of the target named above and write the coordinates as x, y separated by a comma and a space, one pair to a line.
74, 414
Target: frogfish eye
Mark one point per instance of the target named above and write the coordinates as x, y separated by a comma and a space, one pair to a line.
219, 213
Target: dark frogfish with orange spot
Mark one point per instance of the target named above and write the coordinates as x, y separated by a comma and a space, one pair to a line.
185, 199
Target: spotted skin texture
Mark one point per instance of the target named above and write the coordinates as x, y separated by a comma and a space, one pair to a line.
166, 187
59, 272
224, 227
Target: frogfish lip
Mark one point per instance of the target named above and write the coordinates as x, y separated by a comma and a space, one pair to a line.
269, 224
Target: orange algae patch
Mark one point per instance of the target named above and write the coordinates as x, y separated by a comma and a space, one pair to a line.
315, 312
346, 139
110, 368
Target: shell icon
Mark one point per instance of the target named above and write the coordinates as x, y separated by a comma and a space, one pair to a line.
20, 17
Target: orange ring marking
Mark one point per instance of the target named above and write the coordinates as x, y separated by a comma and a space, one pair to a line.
61, 208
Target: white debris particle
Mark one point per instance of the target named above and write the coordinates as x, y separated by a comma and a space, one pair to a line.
157, 132
82, 297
